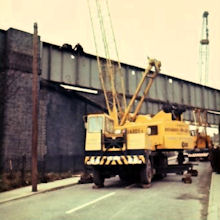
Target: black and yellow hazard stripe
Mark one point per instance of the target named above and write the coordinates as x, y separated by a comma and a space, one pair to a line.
115, 160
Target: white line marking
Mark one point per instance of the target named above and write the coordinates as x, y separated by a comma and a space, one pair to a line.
89, 203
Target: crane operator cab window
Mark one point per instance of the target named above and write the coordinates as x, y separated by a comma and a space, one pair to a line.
109, 125
99, 123
95, 124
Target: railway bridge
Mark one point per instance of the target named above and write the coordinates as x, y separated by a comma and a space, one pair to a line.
61, 128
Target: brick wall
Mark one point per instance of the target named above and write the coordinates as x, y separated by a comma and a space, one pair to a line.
61, 129
16, 137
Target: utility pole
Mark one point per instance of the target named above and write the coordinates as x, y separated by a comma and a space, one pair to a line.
34, 173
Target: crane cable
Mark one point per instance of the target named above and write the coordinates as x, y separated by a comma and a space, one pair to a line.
115, 98
117, 54
98, 60
108, 60
109, 64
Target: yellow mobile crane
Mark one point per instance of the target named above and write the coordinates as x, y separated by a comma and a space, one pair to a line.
127, 144
201, 140
133, 146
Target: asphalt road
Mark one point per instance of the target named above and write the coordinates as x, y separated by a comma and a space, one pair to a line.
167, 199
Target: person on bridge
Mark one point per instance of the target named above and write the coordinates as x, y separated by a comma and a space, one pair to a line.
78, 49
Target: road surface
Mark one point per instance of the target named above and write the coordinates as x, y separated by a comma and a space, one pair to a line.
167, 199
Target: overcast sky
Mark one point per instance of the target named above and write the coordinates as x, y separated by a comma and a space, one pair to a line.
168, 30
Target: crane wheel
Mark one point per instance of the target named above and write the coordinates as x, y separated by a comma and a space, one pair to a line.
97, 178
146, 174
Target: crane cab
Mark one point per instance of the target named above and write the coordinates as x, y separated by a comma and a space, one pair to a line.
101, 134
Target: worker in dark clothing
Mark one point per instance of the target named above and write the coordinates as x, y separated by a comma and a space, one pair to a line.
78, 49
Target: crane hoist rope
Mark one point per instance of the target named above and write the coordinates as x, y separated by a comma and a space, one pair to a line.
98, 58
117, 54
105, 42
112, 99
109, 65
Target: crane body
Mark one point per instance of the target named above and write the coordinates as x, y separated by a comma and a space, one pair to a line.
202, 142
135, 148
132, 145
